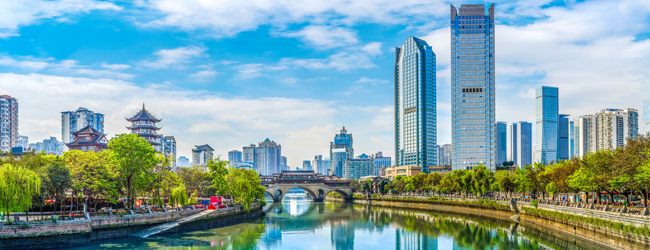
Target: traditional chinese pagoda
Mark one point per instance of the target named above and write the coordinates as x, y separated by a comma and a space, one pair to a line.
88, 139
144, 124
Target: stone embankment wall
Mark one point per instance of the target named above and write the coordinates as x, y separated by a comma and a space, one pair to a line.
582, 232
82, 232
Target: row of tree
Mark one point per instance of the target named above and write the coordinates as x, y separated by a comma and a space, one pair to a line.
624, 171
129, 169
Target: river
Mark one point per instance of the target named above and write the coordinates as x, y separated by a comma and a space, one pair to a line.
298, 223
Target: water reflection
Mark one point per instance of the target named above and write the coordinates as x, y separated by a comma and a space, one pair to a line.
301, 224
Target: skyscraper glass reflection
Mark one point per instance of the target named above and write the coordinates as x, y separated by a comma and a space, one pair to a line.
472, 87
546, 124
415, 104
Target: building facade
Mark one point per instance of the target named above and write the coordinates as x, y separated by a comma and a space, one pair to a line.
144, 125
283, 163
444, 155
563, 152
73, 121
472, 87
415, 104
8, 123
521, 143
201, 155
502, 142
88, 139
49, 146
646, 116
584, 140
235, 157
169, 150
320, 165
608, 129
571, 139
340, 151
306, 165
183, 161
546, 124
23, 142
380, 162
265, 158
357, 168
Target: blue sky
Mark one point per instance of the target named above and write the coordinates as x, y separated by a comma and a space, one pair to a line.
231, 73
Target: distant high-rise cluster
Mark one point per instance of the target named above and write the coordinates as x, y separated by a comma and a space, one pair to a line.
521, 143
265, 158
73, 121
183, 161
320, 165
340, 151
8, 123
472, 87
607, 129
49, 146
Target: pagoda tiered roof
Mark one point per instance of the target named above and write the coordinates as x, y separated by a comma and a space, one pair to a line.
98, 138
143, 115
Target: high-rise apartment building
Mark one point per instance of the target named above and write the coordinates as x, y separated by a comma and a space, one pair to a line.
73, 121
546, 124
444, 155
563, 152
23, 142
201, 155
306, 165
472, 87
283, 163
357, 168
415, 104
8, 123
340, 151
265, 157
521, 143
608, 129
646, 116
320, 166
502, 142
234, 157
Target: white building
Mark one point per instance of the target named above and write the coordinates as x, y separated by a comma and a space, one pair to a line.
8, 123
49, 146
201, 155
73, 121
608, 129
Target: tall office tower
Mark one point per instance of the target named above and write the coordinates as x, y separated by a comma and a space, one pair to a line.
415, 104
144, 125
340, 151
8, 123
521, 143
584, 135
646, 116
283, 163
571, 140
380, 162
73, 121
444, 155
234, 157
563, 138
502, 142
546, 124
472, 87
320, 166
201, 155
615, 126
169, 149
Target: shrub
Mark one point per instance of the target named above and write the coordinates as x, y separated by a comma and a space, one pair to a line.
9, 221
26, 225
534, 203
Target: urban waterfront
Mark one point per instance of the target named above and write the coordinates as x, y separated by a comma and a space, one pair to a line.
298, 223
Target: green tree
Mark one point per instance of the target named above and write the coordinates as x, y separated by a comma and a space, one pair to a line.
135, 160
219, 173
595, 173
245, 186
92, 174
58, 180
17, 187
196, 179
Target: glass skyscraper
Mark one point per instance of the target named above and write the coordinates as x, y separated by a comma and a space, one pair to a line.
472, 87
571, 138
502, 142
415, 104
646, 116
521, 143
546, 124
340, 151
563, 138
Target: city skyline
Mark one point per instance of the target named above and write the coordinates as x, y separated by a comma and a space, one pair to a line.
209, 91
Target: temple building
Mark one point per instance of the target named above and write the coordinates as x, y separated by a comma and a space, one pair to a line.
88, 139
144, 124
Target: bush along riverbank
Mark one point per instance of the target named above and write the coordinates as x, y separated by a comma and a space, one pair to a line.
607, 232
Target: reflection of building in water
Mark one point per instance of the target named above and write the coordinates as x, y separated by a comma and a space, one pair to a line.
296, 206
272, 237
406, 240
342, 236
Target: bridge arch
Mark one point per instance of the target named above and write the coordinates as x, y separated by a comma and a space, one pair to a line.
316, 185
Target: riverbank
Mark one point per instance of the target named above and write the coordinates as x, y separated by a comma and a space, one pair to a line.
528, 215
82, 232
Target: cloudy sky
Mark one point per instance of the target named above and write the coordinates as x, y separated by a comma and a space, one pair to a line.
230, 73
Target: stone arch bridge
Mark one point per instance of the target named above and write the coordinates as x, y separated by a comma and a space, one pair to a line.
316, 185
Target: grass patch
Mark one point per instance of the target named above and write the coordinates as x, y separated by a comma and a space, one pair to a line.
615, 226
490, 204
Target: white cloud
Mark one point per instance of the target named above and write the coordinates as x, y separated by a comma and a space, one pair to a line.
116, 66
377, 141
204, 75
176, 58
325, 37
16, 14
227, 18
66, 67
370, 81
352, 58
